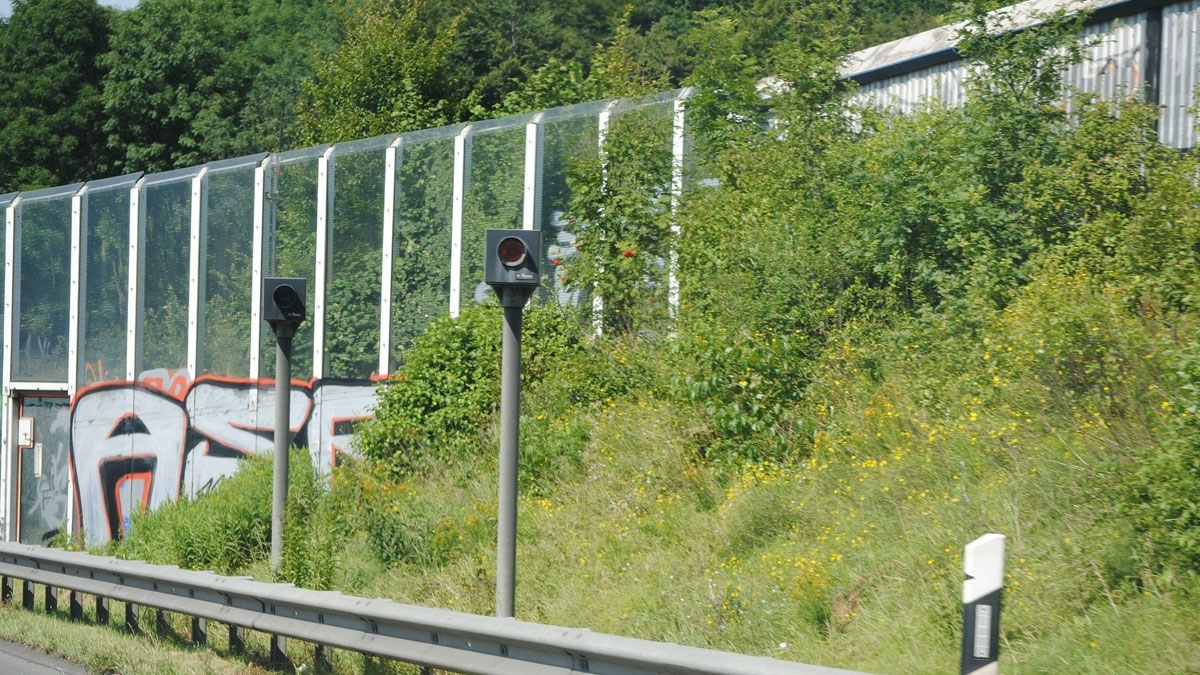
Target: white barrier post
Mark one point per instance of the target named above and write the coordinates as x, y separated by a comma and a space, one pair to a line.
983, 563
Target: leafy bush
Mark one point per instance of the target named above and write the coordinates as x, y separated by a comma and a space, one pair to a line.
599, 371
229, 528
748, 386
1078, 338
441, 397
1163, 495
440, 404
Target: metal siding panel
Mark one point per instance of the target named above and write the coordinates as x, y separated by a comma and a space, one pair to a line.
1115, 65
906, 93
1180, 52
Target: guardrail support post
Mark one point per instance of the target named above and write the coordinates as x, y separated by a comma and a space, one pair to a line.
51, 604
323, 659
162, 620
278, 650
199, 631
101, 610
27, 595
76, 606
6, 590
237, 639
131, 617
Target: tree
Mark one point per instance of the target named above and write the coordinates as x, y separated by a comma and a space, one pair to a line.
391, 73
192, 81
49, 98
1015, 79
502, 43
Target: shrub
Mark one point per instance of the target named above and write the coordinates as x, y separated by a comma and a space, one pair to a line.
229, 527
1163, 495
440, 404
1077, 337
748, 386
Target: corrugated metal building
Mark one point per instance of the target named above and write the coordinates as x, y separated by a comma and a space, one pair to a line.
1142, 47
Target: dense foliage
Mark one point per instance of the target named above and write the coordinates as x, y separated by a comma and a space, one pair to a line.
895, 334
89, 92
437, 407
50, 100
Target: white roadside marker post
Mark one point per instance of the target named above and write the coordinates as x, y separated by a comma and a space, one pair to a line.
983, 564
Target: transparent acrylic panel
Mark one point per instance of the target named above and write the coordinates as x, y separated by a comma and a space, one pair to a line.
163, 254
421, 236
104, 280
354, 253
5, 202
493, 195
43, 279
290, 245
570, 138
227, 222
639, 150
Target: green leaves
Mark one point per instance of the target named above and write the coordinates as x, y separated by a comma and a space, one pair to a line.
749, 386
49, 93
1022, 67
618, 210
439, 406
391, 73
190, 82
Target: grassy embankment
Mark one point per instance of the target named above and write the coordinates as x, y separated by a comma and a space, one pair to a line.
896, 335
846, 554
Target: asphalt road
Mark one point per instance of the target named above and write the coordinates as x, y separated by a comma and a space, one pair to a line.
18, 659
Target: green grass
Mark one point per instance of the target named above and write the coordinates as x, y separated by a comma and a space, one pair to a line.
845, 551
109, 649
797, 471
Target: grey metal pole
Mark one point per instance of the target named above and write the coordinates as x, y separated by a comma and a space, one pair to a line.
283, 411
510, 409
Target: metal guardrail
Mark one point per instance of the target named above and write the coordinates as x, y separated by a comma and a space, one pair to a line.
430, 637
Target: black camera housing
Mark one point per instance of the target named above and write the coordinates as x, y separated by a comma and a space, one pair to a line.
283, 300
511, 258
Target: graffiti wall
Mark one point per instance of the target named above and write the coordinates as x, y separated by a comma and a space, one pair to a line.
138, 445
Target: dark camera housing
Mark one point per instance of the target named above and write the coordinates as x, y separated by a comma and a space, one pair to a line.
511, 258
283, 299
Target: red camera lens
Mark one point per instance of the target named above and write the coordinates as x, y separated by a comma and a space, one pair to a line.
511, 251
